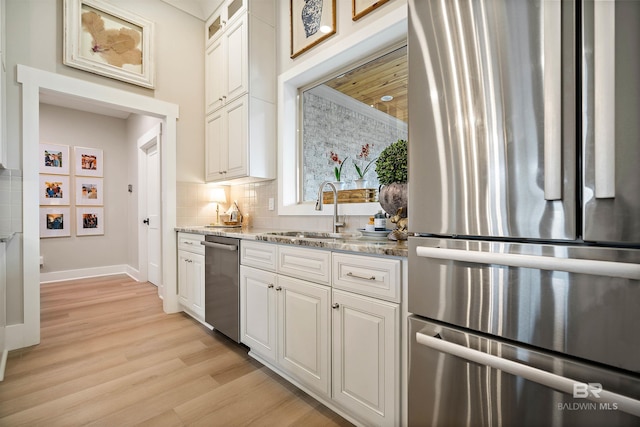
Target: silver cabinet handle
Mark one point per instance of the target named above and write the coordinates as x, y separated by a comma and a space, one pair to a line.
220, 246
278, 288
270, 286
350, 274
604, 73
335, 305
552, 100
539, 376
571, 265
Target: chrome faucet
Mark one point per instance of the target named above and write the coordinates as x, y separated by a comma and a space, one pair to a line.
336, 224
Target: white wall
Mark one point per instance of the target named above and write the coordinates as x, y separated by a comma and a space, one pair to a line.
34, 38
34, 34
76, 128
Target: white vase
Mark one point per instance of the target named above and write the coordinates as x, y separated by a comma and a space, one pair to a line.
361, 183
339, 185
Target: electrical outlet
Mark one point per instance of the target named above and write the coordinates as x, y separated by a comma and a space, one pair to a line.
272, 204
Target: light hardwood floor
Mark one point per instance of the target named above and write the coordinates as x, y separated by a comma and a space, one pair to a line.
109, 356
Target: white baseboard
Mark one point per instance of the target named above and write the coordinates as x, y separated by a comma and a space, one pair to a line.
3, 363
14, 336
83, 273
133, 273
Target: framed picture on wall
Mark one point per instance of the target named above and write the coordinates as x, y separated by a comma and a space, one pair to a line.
54, 190
55, 222
89, 221
312, 21
89, 191
88, 161
362, 7
106, 40
54, 159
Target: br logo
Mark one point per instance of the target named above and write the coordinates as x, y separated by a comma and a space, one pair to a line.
583, 390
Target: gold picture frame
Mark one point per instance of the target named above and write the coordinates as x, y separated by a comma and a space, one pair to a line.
312, 21
105, 40
362, 7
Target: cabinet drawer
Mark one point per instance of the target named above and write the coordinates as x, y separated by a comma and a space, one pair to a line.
373, 276
191, 242
308, 264
258, 254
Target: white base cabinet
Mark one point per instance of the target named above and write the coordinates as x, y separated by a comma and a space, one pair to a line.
191, 270
366, 356
342, 347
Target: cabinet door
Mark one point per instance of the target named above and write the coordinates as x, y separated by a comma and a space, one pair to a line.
303, 332
366, 351
237, 141
183, 266
215, 75
195, 279
214, 135
258, 311
237, 59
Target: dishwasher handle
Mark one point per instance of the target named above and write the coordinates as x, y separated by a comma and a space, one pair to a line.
223, 246
557, 382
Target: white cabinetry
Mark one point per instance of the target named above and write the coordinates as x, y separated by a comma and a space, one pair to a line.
284, 319
191, 274
240, 83
328, 321
3, 308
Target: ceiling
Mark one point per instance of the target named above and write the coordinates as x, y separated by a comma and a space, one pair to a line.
384, 76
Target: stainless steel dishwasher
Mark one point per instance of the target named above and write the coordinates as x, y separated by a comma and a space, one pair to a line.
222, 285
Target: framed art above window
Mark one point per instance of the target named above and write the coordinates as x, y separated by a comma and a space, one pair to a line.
362, 7
105, 40
312, 21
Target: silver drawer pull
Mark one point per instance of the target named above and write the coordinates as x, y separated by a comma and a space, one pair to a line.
350, 274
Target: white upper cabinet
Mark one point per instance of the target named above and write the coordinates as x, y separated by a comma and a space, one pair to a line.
240, 64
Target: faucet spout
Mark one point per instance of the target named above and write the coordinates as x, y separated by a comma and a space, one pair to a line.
319, 204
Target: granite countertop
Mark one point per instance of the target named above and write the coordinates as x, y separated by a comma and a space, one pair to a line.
368, 245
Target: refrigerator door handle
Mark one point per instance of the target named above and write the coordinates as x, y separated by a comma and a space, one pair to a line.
557, 382
604, 73
552, 100
571, 265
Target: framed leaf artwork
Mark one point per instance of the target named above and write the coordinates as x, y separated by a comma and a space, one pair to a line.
106, 40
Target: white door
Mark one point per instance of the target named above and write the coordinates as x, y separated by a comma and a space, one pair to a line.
150, 208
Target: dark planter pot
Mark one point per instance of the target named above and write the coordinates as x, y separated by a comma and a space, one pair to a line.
393, 197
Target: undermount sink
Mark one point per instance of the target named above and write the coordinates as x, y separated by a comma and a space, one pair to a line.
314, 235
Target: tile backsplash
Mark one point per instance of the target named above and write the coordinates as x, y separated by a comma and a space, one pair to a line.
194, 208
10, 201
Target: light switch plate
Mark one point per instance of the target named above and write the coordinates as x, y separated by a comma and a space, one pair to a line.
272, 205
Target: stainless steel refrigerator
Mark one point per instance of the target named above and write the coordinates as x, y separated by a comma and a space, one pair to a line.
524, 194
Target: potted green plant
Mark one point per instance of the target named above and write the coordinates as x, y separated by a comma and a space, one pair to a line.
392, 171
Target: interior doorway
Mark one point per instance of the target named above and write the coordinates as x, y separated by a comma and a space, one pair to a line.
149, 203
36, 82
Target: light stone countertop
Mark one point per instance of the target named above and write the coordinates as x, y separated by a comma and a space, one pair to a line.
365, 245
